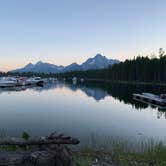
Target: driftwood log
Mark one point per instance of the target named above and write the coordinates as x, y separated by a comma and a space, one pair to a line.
43, 151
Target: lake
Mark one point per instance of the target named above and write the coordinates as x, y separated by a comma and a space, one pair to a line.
81, 110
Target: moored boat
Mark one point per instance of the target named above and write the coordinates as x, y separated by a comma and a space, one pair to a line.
150, 98
74, 79
8, 82
20, 81
34, 81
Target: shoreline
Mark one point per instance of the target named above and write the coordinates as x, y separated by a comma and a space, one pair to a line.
127, 82
153, 155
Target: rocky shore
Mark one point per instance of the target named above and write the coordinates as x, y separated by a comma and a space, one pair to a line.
55, 150
50, 150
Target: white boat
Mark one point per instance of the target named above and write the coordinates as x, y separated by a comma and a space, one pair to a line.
8, 82
74, 79
150, 98
21, 81
34, 81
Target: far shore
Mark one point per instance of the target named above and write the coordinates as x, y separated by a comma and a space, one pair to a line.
127, 82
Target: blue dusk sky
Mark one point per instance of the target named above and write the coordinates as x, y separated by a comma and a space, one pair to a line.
66, 31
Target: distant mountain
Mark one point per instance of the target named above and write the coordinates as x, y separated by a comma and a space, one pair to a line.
97, 62
72, 67
27, 68
40, 67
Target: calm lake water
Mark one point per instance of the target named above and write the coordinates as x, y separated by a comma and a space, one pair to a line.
82, 110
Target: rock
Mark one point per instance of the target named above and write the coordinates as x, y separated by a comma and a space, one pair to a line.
43, 151
57, 157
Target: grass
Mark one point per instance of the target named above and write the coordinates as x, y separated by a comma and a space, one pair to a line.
80, 161
24, 135
116, 150
124, 153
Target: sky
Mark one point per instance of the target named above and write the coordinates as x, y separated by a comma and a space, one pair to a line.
66, 31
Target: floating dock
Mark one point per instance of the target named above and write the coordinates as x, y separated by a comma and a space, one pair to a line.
149, 98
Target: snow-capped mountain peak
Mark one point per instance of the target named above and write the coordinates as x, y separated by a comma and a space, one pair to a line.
97, 62
39, 63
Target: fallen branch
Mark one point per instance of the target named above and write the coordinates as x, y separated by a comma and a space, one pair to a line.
51, 139
50, 154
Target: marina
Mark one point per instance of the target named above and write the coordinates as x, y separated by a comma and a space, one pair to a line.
20, 81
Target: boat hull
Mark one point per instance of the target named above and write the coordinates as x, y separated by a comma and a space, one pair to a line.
34, 83
7, 84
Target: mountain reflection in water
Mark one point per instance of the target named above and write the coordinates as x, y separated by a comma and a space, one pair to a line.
98, 91
81, 110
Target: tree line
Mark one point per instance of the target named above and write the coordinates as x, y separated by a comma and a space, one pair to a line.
139, 69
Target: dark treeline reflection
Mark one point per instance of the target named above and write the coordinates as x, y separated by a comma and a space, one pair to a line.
121, 92
99, 90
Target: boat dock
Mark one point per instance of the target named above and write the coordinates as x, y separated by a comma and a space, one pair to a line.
149, 98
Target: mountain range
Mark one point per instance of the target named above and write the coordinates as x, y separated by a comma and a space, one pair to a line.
97, 62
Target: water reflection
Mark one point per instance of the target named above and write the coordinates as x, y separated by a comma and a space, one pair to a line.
80, 110
96, 93
99, 91
121, 92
